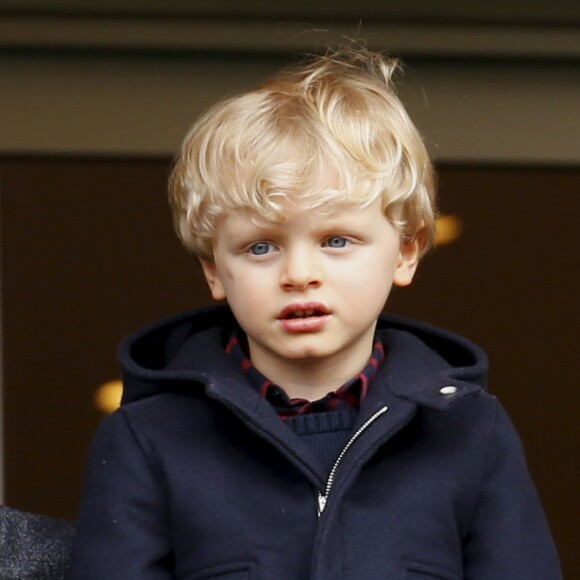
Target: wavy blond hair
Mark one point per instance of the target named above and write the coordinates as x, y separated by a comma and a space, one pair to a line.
330, 130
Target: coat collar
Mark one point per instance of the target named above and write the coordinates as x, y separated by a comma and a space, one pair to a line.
425, 365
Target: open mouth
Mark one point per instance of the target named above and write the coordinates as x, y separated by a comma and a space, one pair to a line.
301, 311
303, 317
303, 314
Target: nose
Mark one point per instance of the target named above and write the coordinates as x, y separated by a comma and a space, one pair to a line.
301, 270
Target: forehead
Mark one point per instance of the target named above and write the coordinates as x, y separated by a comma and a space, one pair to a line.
300, 211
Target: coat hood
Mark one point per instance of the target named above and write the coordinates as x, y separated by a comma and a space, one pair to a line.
424, 364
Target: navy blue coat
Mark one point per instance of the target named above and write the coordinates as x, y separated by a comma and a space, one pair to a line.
196, 476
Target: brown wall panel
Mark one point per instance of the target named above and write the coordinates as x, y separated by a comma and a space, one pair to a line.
88, 256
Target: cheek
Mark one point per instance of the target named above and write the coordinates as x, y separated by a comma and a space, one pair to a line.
369, 272
244, 289
369, 286
231, 278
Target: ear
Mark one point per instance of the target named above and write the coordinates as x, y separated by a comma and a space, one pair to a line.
213, 279
408, 261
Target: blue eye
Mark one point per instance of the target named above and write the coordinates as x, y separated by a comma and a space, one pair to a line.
261, 248
336, 242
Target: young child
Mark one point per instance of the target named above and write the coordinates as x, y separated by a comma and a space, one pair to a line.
296, 433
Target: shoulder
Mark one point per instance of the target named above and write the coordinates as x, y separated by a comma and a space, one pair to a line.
158, 426
431, 367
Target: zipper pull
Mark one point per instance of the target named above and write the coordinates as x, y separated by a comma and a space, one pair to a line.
321, 503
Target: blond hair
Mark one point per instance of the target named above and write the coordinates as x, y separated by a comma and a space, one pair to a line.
331, 130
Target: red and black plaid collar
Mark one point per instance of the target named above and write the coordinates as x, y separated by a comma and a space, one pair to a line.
349, 396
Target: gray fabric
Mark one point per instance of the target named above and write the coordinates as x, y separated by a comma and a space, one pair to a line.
33, 547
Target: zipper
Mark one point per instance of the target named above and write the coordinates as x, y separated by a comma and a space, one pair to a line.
323, 495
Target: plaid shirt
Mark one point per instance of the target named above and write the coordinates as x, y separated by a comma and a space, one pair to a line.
349, 396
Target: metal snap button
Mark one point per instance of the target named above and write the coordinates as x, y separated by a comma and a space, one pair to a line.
448, 390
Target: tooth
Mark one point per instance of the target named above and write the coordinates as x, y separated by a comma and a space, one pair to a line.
299, 313
309, 312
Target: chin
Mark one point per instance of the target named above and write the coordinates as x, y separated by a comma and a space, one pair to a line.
307, 353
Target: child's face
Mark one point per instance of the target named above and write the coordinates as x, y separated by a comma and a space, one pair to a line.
311, 288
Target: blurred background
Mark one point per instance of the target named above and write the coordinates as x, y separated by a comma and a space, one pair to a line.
95, 98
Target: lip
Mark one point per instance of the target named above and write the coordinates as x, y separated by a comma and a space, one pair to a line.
310, 323
317, 308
